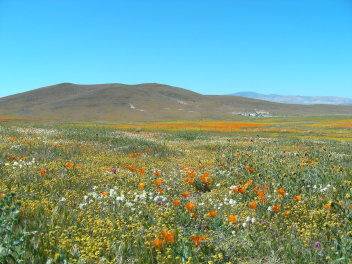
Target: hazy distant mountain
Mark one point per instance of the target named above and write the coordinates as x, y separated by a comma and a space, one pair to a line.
297, 99
148, 101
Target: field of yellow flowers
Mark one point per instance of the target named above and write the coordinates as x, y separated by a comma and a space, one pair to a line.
273, 191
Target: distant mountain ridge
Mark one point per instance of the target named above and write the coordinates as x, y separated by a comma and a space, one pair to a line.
297, 99
145, 102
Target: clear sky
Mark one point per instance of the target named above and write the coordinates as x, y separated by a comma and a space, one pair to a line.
209, 46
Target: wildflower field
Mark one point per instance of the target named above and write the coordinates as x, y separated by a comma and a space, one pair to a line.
275, 190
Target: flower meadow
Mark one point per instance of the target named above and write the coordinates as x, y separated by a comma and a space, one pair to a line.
95, 193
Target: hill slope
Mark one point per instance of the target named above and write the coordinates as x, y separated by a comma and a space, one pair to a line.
150, 101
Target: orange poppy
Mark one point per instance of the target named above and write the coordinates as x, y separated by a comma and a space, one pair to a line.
212, 213
191, 174
297, 197
276, 208
194, 214
204, 179
159, 181
42, 172
256, 188
176, 202
304, 160
253, 205
242, 189
105, 193
239, 189
160, 191
69, 165
327, 206
135, 154
261, 196
189, 180
141, 185
2, 195
186, 194
197, 240
130, 167
232, 219
287, 213
249, 168
157, 173
250, 182
168, 236
142, 171
158, 243
200, 166
281, 192
190, 206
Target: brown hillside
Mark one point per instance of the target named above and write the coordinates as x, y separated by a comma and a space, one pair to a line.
150, 101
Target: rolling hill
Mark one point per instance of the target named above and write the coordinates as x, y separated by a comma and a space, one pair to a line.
297, 99
149, 101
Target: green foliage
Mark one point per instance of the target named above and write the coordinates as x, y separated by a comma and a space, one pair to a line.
12, 238
188, 135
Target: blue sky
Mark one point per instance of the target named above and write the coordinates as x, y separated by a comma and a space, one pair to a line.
208, 46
